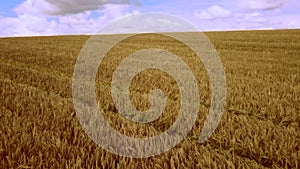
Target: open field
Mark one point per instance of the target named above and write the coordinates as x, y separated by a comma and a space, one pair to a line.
259, 127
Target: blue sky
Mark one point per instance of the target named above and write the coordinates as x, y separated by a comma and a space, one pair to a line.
56, 17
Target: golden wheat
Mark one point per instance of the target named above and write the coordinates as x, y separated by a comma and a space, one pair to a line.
259, 128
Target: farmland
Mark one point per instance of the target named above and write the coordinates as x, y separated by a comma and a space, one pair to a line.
259, 127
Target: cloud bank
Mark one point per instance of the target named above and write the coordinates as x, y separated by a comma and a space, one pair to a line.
32, 19
57, 17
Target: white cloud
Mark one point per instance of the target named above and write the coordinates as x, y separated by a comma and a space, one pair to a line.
249, 15
35, 23
27, 25
83, 23
34, 7
213, 12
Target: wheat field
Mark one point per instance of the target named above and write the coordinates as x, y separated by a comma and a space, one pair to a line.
259, 127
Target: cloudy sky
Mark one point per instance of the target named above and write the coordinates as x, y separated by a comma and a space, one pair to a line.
56, 17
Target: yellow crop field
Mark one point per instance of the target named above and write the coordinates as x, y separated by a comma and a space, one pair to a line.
260, 127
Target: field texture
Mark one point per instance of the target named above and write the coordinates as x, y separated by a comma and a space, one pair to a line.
259, 127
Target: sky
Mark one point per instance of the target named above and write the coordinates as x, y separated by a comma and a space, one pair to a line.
61, 17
